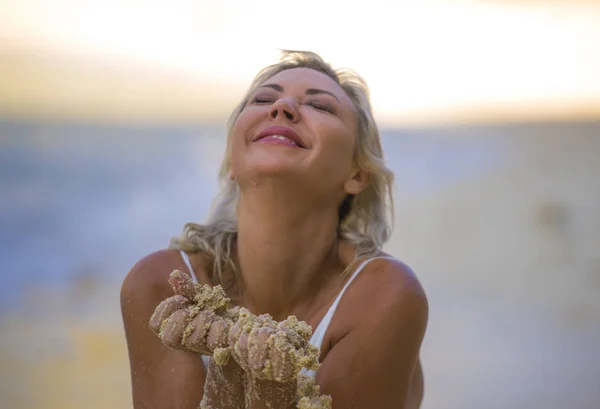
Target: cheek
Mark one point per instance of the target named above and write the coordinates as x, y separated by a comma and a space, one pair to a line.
338, 155
337, 134
339, 142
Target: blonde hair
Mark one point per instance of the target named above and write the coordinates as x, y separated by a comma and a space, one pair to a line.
364, 220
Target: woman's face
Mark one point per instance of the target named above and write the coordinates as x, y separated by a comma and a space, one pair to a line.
298, 124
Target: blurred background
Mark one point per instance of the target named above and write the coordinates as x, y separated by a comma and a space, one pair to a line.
112, 126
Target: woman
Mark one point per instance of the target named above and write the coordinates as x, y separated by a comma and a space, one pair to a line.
297, 229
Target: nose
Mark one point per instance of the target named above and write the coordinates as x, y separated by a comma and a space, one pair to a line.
284, 107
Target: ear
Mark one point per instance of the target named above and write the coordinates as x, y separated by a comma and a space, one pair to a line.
230, 175
358, 180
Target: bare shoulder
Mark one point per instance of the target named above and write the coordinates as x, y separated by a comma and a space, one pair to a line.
400, 299
146, 285
149, 276
401, 284
152, 271
373, 360
389, 287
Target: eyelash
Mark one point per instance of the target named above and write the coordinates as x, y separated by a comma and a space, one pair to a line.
316, 105
261, 100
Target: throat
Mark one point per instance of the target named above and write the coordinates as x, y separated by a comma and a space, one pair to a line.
281, 286
287, 249
281, 275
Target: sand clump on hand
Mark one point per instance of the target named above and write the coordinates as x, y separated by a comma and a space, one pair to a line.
199, 319
309, 394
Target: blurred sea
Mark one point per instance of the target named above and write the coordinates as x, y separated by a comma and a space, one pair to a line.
500, 222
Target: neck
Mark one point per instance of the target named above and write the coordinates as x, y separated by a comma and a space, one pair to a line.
285, 247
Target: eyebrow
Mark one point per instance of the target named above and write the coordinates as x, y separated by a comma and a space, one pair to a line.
310, 91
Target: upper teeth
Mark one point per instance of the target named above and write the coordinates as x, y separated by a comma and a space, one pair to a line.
283, 138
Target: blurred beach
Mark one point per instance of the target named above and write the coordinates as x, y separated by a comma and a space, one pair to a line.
490, 119
501, 223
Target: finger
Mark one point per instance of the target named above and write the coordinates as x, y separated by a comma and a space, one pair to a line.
235, 332
258, 349
240, 349
165, 309
300, 328
242, 346
234, 335
297, 332
295, 339
172, 332
182, 284
218, 334
283, 357
196, 339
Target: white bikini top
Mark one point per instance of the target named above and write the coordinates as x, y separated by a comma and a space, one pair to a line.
317, 337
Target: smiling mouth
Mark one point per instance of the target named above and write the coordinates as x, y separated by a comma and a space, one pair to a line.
280, 140
280, 135
283, 138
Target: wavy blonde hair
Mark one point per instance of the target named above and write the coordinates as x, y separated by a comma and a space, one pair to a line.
364, 220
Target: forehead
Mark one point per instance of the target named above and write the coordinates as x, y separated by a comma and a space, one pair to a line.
300, 79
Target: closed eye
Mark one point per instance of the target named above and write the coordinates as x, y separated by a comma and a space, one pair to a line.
262, 100
320, 106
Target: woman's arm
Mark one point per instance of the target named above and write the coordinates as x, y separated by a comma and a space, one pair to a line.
373, 366
162, 378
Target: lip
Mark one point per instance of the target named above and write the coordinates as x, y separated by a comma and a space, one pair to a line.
283, 131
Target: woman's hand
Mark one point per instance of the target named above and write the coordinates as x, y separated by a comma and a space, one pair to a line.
271, 350
267, 355
163, 313
180, 303
271, 354
181, 322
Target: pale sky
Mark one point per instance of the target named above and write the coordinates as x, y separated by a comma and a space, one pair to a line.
425, 61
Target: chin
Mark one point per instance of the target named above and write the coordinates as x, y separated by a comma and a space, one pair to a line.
269, 168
